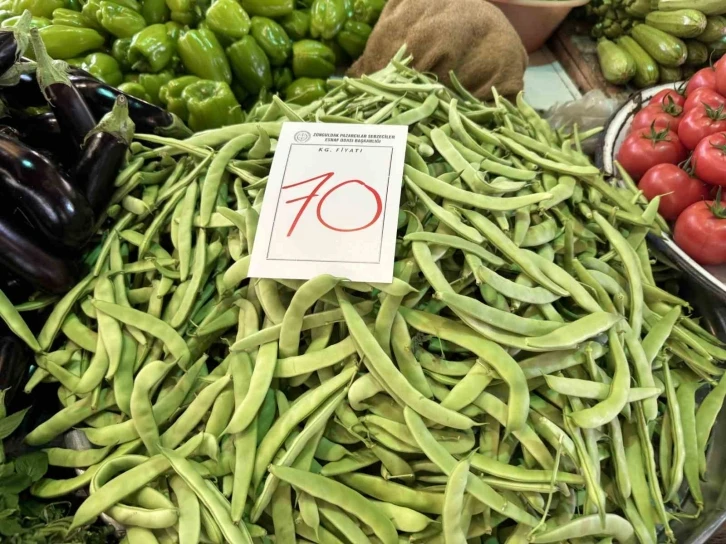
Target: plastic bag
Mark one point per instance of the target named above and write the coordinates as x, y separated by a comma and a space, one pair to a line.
594, 109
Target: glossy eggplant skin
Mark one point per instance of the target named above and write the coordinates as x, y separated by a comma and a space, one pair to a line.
25, 94
103, 155
43, 133
24, 257
15, 361
100, 98
31, 183
17, 290
8, 51
73, 114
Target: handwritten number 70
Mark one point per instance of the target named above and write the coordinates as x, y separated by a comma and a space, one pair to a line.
324, 178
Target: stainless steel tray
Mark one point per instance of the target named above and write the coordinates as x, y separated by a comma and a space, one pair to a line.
711, 278
702, 529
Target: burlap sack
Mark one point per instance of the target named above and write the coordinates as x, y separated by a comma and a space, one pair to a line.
471, 37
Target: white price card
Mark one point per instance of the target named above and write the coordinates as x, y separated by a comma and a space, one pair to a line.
331, 203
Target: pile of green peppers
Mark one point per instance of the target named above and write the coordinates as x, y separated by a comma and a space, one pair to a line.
204, 59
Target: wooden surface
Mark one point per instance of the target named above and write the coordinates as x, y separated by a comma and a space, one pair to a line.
575, 50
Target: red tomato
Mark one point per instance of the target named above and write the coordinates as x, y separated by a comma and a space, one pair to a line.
658, 115
646, 147
680, 189
703, 95
700, 122
721, 77
705, 77
701, 232
668, 96
709, 159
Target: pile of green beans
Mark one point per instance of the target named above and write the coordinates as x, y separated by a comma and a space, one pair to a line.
525, 378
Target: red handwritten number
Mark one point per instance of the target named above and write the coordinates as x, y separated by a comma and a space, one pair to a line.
324, 179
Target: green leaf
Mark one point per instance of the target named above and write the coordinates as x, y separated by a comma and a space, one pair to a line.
8, 511
15, 483
9, 501
10, 423
34, 465
9, 527
7, 469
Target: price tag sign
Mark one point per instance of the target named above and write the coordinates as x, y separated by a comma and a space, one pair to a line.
331, 203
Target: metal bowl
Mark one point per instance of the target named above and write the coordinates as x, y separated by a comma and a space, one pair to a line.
710, 278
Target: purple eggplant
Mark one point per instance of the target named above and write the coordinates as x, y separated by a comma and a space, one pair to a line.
33, 188
23, 256
24, 94
73, 114
103, 154
148, 118
41, 132
100, 98
13, 42
15, 361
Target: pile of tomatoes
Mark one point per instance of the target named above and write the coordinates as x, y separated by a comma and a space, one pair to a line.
676, 148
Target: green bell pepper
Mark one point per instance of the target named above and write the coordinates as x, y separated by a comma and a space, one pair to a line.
228, 18
305, 90
120, 21
282, 77
74, 5
297, 24
76, 62
184, 18
211, 104
6, 14
103, 67
151, 49
153, 83
155, 11
39, 8
367, 11
65, 42
182, 11
353, 37
135, 89
311, 58
35, 22
272, 38
327, 18
173, 30
90, 11
180, 6
250, 64
68, 17
120, 51
268, 8
341, 57
203, 56
131, 4
92, 8
170, 95
240, 93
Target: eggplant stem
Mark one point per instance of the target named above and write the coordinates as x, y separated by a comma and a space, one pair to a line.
177, 129
48, 71
117, 121
21, 33
12, 76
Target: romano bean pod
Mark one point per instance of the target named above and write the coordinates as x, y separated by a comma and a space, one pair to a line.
498, 381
